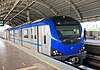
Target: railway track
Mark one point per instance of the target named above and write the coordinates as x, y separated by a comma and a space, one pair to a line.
82, 67
92, 62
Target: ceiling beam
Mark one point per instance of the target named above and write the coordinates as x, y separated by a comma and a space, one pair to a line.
5, 1
19, 20
34, 9
23, 9
42, 3
48, 6
75, 8
2, 8
16, 21
6, 11
14, 11
23, 15
86, 5
16, 2
20, 16
24, 20
39, 12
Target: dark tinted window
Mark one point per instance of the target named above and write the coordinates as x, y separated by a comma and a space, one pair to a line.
68, 29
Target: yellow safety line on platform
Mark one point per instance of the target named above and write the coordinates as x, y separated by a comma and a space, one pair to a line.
39, 58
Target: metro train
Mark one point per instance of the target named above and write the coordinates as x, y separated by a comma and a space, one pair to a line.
60, 37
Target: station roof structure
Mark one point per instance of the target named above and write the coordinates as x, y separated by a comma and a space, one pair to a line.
17, 12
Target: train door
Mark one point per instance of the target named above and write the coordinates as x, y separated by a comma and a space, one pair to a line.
8, 35
34, 38
5, 36
46, 40
20, 36
11, 36
40, 38
16, 35
26, 38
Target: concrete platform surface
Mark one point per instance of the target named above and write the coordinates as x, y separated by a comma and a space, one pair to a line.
92, 42
14, 57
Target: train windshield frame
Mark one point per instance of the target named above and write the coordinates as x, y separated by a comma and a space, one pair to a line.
68, 31
67, 27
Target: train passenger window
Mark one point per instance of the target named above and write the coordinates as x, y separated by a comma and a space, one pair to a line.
34, 36
31, 33
16, 33
20, 34
44, 39
31, 36
25, 33
25, 36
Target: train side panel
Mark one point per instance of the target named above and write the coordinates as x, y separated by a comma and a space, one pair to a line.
45, 39
4, 35
7, 35
37, 38
26, 38
34, 39
40, 38
16, 37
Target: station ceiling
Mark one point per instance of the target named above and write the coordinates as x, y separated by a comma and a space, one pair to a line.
17, 12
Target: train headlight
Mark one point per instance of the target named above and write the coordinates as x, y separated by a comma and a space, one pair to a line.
83, 47
55, 52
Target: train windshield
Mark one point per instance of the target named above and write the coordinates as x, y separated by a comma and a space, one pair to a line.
67, 31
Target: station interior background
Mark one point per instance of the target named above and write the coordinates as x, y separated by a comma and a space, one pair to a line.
93, 29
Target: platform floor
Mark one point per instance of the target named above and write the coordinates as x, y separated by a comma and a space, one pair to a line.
14, 57
92, 42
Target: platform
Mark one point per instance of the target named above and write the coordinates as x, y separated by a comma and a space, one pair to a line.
92, 47
92, 42
14, 57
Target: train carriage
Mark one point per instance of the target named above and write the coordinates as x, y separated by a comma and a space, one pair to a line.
60, 37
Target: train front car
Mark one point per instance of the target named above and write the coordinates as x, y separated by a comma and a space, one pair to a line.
67, 41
